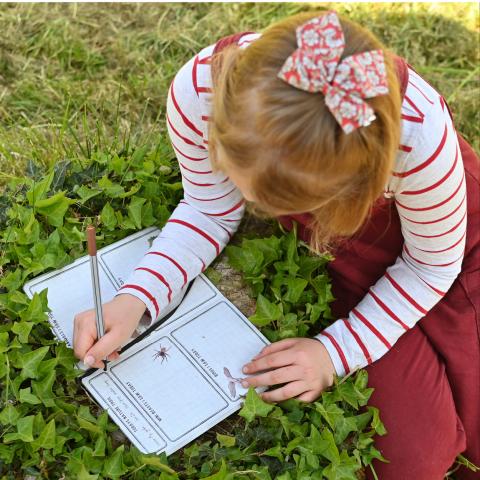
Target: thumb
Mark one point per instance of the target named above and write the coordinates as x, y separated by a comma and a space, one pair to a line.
101, 349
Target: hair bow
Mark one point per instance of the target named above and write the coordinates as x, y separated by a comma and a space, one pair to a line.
315, 67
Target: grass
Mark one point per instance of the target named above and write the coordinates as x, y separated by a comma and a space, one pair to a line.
70, 70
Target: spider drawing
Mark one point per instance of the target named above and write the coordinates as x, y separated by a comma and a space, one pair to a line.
161, 353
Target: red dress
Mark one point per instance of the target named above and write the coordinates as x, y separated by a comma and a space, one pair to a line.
427, 386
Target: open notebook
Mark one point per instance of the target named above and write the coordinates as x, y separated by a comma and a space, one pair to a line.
175, 379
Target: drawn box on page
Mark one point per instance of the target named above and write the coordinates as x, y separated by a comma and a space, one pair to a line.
121, 263
70, 292
174, 393
125, 413
221, 341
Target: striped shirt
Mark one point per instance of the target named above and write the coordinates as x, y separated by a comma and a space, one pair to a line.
427, 185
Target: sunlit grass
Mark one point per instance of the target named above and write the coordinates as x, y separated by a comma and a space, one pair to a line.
68, 70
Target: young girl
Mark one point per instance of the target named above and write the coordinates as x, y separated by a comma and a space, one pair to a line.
315, 121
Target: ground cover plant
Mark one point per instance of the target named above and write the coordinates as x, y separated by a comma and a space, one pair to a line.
83, 139
51, 428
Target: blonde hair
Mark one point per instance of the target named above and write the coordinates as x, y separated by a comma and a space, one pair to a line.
297, 156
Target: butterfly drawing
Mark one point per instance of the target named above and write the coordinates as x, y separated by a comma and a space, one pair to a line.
232, 382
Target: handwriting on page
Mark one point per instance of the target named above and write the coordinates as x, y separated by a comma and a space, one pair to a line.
138, 428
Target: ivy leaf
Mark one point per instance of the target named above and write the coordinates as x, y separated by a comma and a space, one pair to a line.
254, 406
60, 171
85, 193
265, 313
362, 420
22, 329
46, 438
24, 430
100, 444
330, 412
54, 208
156, 461
32, 169
377, 424
3, 365
135, 210
108, 217
361, 379
295, 288
325, 444
30, 362
350, 394
314, 311
134, 189
284, 476
276, 452
291, 262
88, 425
71, 236
26, 396
40, 189
343, 426
37, 307
269, 247
221, 474
225, 440
110, 189
65, 357
43, 387
308, 264
12, 280
323, 287
249, 261
345, 469
4, 342
148, 218
9, 415
114, 466
84, 475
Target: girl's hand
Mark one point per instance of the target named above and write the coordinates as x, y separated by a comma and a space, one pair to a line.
303, 364
121, 315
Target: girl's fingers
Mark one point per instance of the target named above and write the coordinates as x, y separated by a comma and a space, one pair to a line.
274, 377
290, 390
271, 360
83, 339
113, 356
275, 347
309, 396
107, 345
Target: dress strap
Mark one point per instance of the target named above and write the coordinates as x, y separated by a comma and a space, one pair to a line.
219, 46
401, 67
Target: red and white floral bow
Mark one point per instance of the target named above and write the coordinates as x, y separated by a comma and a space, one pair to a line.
315, 67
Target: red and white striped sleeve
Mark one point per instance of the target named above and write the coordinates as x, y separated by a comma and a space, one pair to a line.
429, 189
211, 209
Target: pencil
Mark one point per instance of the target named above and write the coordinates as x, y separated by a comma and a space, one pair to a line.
92, 252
